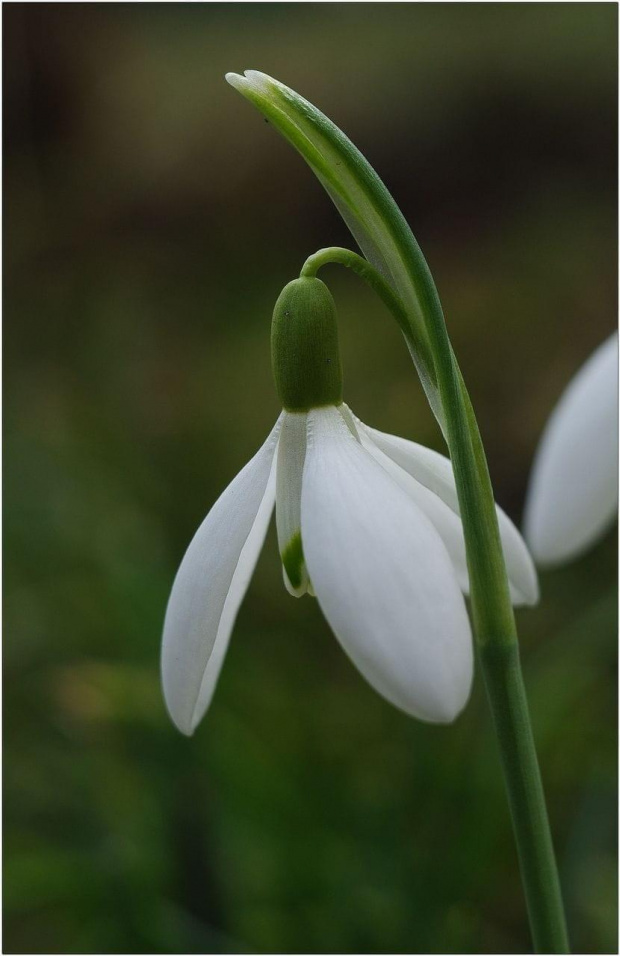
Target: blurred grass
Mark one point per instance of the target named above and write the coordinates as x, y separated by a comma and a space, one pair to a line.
151, 220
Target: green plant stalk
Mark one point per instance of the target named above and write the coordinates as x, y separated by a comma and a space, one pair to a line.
494, 625
506, 694
382, 232
416, 343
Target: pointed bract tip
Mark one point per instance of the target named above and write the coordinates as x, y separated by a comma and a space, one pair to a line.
259, 80
251, 80
239, 82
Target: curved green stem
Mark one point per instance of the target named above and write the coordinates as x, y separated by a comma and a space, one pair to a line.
494, 622
361, 267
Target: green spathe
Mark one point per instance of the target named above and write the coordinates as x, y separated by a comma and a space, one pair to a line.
304, 346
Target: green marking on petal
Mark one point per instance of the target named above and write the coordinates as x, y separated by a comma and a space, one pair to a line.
293, 560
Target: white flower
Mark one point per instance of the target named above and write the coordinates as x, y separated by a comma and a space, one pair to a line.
573, 493
367, 522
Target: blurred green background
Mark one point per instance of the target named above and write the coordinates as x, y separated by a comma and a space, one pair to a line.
151, 220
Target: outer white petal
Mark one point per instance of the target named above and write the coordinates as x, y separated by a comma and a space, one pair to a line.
445, 521
291, 456
382, 576
434, 472
573, 493
210, 585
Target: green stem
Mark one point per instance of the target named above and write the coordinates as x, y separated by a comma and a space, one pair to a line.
362, 268
493, 616
506, 693
417, 343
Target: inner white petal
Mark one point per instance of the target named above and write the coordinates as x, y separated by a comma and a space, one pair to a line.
291, 457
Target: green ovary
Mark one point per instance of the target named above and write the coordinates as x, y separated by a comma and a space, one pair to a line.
304, 346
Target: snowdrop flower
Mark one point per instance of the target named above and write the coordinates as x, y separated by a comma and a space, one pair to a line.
367, 522
573, 493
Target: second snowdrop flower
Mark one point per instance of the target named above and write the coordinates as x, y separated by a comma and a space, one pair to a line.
366, 522
573, 494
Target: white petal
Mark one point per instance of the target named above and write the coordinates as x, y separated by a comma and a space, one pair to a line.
210, 585
434, 472
291, 456
445, 521
573, 493
382, 576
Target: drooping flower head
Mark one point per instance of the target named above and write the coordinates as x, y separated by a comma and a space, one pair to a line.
367, 522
